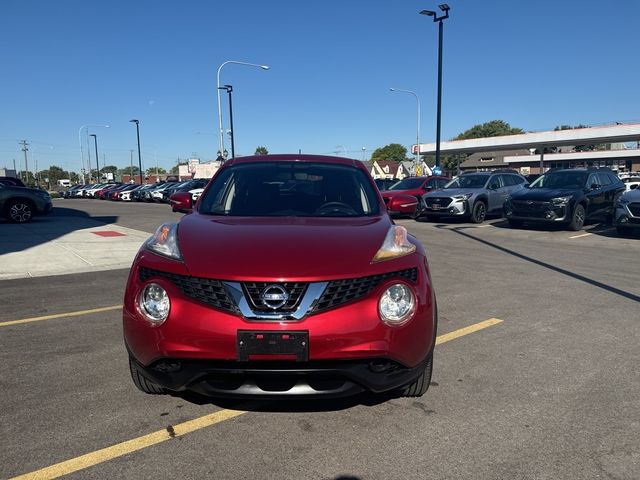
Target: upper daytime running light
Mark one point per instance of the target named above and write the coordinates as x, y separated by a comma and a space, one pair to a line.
560, 200
165, 241
464, 196
395, 245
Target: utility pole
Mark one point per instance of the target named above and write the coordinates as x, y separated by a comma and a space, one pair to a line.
25, 149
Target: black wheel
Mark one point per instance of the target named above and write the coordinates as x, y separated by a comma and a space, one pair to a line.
479, 212
421, 384
19, 211
515, 223
623, 230
143, 383
577, 220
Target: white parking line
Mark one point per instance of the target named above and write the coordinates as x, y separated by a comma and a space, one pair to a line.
582, 235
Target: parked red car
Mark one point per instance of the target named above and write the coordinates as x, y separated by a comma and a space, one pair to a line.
288, 279
413, 187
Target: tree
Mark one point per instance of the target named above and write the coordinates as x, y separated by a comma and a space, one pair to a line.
494, 128
129, 170
152, 171
109, 169
262, 151
54, 173
393, 152
176, 168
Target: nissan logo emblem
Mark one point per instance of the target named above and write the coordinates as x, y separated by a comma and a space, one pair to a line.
274, 296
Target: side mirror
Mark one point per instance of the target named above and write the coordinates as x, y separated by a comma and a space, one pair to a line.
594, 186
493, 186
181, 202
403, 204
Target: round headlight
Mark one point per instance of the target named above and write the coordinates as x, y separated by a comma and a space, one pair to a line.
154, 303
396, 304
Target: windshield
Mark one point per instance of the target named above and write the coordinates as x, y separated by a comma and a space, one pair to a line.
468, 181
561, 180
279, 189
408, 184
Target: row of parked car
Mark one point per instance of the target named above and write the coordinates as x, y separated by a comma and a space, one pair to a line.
569, 197
156, 192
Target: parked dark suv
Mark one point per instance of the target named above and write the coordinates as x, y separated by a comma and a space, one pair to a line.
569, 197
20, 204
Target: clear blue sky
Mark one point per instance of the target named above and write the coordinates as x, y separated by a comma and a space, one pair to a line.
535, 64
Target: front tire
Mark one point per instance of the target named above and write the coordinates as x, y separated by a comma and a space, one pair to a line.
479, 212
19, 211
143, 383
420, 385
577, 219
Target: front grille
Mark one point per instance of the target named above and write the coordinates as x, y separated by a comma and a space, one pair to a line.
204, 290
442, 201
339, 292
530, 206
634, 208
295, 290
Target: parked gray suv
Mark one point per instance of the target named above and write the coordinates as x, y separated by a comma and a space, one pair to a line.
20, 204
471, 195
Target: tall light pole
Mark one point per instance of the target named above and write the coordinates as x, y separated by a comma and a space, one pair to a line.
417, 160
264, 67
137, 122
229, 89
95, 142
81, 152
445, 8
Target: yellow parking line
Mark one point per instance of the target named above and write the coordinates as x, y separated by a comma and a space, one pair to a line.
447, 337
124, 448
60, 315
582, 235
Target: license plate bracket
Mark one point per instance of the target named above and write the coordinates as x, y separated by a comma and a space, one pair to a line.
252, 342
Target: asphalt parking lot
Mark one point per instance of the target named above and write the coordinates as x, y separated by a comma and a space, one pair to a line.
535, 375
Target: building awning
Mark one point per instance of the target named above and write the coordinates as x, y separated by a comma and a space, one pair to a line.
576, 136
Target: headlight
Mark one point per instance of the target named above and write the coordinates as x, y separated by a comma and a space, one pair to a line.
154, 303
165, 241
395, 245
464, 196
560, 200
397, 304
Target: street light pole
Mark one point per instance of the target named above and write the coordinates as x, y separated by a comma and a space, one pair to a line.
229, 89
445, 8
95, 142
81, 152
264, 67
137, 122
417, 160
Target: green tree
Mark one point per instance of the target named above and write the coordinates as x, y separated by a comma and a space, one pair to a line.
262, 151
54, 173
152, 171
128, 170
391, 152
176, 168
494, 128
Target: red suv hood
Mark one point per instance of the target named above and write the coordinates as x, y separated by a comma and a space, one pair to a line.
393, 193
233, 248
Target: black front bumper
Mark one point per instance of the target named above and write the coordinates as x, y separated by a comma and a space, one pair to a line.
280, 379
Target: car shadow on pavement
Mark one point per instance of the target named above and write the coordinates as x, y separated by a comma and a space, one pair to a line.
289, 406
582, 278
60, 222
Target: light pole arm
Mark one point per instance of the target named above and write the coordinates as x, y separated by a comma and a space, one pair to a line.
264, 67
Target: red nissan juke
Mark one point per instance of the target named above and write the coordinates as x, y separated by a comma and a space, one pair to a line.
288, 279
